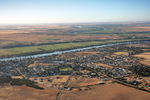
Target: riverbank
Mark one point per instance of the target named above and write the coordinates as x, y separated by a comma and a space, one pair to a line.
33, 50
65, 50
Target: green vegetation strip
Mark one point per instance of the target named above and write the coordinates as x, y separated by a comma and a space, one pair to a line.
65, 69
56, 47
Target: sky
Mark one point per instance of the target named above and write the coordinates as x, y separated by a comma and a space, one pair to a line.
73, 11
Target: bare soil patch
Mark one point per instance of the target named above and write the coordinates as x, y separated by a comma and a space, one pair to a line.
146, 56
52, 81
106, 92
103, 65
26, 93
79, 81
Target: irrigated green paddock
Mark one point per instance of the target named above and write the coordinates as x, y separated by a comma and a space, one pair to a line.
56, 47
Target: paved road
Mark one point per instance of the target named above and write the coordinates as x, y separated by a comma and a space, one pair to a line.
21, 73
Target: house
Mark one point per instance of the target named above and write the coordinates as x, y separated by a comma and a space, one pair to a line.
101, 83
69, 89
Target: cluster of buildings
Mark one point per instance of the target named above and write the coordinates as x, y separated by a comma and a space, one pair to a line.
63, 65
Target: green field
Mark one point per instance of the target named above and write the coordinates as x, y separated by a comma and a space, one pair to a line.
56, 47
65, 69
121, 53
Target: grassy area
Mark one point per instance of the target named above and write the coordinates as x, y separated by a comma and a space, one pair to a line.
56, 47
126, 40
121, 53
65, 69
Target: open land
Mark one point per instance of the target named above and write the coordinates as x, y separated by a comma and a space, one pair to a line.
26, 93
23, 39
146, 56
120, 72
89, 74
106, 92
121, 53
52, 81
79, 81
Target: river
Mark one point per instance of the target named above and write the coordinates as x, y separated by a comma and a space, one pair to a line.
66, 51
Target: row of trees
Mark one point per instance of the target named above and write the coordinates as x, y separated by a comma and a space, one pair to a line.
20, 82
141, 70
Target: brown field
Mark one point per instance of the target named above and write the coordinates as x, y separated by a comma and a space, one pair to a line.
146, 79
106, 92
41, 64
14, 39
134, 29
16, 77
140, 45
26, 93
37, 34
142, 28
146, 56
51, 33
45, 64
87, 53
4, 32
29, 28
79, 81
59, 80
103, 65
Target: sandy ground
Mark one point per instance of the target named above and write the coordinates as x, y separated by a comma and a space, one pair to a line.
103, 65
26, 93
79, 81
106, 92
146, 56
55, 81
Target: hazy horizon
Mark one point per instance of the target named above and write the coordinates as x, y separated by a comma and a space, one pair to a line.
73, 11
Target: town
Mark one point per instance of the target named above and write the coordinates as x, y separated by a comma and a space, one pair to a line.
96, 66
